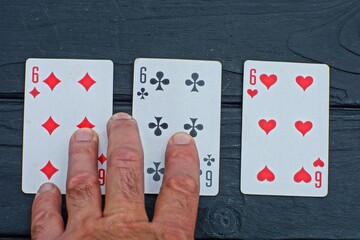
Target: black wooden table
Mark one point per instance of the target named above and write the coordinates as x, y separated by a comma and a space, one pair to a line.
325, 31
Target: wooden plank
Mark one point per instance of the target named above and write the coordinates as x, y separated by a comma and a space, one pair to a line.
230, 214
303, 31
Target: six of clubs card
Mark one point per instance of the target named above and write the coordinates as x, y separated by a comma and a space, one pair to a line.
178, 95
285, 129
60, 97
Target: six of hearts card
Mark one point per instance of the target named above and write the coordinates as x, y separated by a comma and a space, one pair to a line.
285, 127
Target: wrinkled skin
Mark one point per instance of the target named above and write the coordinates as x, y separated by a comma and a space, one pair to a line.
124, 215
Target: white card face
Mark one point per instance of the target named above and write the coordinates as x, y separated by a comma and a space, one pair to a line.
172, 95
61, 96
285, 129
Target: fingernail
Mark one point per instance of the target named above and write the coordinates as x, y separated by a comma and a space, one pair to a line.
181, 138
84, 135
46, 187
121, 116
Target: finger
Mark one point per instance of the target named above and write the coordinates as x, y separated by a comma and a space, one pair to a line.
125, 170
46, 220
83, 197
178, 199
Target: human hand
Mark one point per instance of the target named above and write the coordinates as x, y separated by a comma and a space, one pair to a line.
124, 215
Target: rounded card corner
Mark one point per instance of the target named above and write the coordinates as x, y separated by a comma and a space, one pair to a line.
23, 190
327, 68
28, 60
110, 62
219, 64
137, 60
247, 61
243, 192
325, 195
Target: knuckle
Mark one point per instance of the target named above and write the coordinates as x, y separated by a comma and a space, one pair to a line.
88, 231
39, 222
184, 184
123, 124
129, 229
36, 231
168, 231
82, 187
80, 149
183, 156
126, 155
129, 183
43, 199
43, 216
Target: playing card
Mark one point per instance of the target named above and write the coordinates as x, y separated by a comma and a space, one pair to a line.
61, 96
172, 95
285, 129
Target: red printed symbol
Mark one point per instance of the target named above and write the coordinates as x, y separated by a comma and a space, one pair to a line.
304, 82
35, 74
303, 127
302, 175
34, 92
318, 163
102, 158
87, 82
266, 174
268, 81
102, 176
50, 125
267, 126
49, 170
85, 123
52, 81
252, 92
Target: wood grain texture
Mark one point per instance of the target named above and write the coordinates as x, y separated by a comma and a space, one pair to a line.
325, 31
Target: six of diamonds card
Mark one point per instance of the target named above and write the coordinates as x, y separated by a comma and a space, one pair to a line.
285, 129
60, 97
178, 95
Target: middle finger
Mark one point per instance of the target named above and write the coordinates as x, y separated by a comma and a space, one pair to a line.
125, 170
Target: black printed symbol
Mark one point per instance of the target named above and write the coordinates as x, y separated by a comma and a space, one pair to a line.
158, 126
142, 93
194, 82
156, 171
159, 81
193, 127
209, 159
